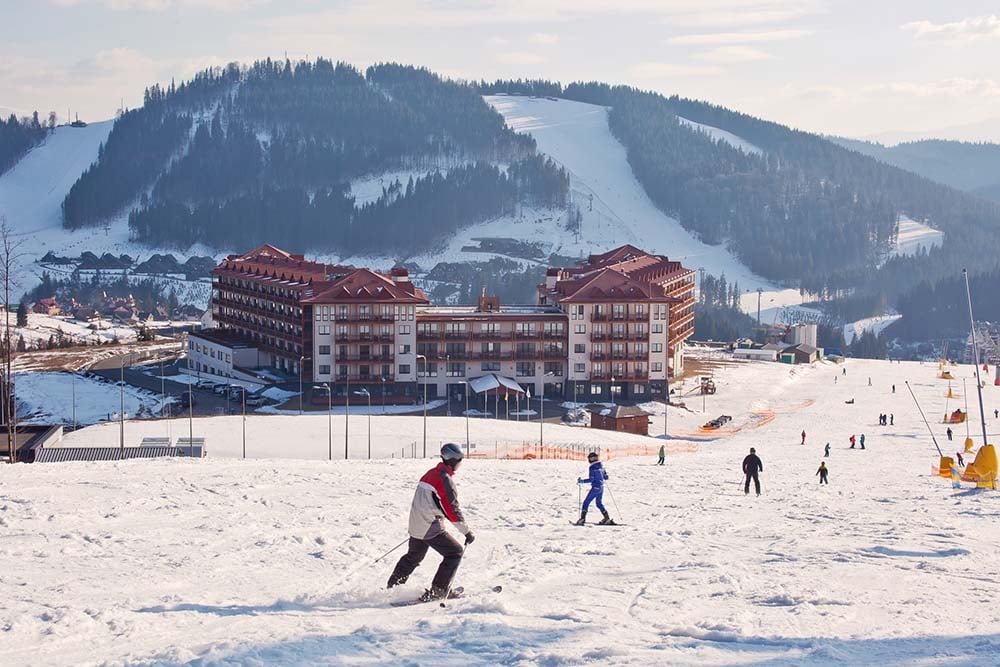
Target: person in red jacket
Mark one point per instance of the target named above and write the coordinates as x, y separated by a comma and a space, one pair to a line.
436, 499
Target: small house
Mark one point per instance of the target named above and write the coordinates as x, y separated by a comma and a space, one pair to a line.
48, 306
621, 418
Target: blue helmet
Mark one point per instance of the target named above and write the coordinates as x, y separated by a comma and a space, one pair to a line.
592, 457
451, 452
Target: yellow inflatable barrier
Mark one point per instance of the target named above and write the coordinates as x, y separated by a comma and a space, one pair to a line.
946, 375
946, 463
983, 471
968, 445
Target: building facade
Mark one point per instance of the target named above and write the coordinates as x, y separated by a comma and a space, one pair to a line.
612, 327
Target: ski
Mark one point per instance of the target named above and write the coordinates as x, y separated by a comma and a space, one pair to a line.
455, 594
574, 523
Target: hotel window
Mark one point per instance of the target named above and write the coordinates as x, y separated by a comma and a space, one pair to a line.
323, 330
555, 368
580, 329
456, 369
404, 369
579, 348
404, 329
657, 328
324, 369
404, 349
618, 311
490, 366
579, 368
228, 358
341, 331
364, 312
657, 347
525, 368
639, 389
324, 349
577, 311
656, 367
596, 389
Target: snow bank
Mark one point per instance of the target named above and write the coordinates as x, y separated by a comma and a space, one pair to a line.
722, 135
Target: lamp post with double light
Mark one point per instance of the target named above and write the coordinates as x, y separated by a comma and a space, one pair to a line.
364, 392
419, 357
243, 396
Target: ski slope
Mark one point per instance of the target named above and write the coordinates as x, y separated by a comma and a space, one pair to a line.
576, 135
722, 135
271, 560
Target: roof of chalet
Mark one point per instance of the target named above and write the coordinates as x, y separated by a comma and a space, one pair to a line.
620, 412
610, 285
268, 261
365, 285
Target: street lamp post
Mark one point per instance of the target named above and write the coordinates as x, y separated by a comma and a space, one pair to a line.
187, 355
447, 372
364, 392
302, 361
74, 400
466, 383
329, 417
383, 394
243, 395
419, 357
541, 414
347, 409
121, 413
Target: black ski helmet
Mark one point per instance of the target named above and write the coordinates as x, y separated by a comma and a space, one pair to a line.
753, 451
451, 452
592, 457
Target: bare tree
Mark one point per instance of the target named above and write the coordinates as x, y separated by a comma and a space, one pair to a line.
10, 253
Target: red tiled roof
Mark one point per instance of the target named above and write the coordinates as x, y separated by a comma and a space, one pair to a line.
609, 285
270, 262
367, 285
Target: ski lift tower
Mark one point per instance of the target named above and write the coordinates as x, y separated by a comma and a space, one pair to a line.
989, 346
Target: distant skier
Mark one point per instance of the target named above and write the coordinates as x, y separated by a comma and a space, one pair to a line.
892, 419
752, 465
996, 414
596, 493
961, 461
826, 450
949, 433
862, 441
869, 382
844, 371
436, 499
803, 436
852, 441
894, 389
663, 454
835, 379
822, 472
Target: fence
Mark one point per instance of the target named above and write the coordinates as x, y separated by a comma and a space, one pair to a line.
525, 450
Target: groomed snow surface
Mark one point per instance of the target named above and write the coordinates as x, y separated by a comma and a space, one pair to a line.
230, 562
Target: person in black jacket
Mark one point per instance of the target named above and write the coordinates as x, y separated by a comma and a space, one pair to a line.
751, 466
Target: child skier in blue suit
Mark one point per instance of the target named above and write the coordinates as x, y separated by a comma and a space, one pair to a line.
596, 493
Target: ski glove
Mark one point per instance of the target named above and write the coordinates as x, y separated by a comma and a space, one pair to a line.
469, 538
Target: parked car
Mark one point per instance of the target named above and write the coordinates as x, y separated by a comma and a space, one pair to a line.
257, 400
186, 400
205, 384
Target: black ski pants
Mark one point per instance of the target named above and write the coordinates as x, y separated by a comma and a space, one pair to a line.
822, 479
756, 483
444, 544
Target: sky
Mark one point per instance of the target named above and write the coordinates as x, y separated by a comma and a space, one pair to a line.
861, 68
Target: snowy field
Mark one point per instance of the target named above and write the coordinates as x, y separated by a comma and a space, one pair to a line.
46, 398
271, 561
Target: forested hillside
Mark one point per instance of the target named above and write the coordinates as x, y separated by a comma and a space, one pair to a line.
18, 136
974, 167
805, 211
267, 153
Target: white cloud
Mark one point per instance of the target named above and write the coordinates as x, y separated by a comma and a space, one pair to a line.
544, 38
160, 5
966, 30
655, 70
952, 88
732, 55
519, 58
739, 37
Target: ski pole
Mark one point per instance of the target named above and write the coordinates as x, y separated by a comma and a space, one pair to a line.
615, 502
390, 550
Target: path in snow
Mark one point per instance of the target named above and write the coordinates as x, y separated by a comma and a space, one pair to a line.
177, 562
